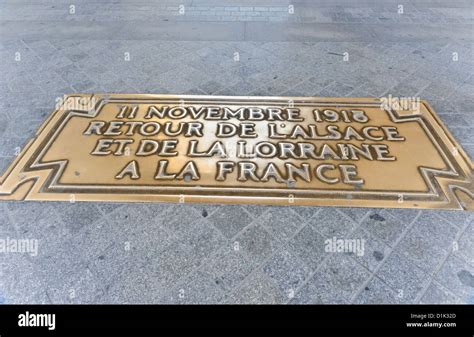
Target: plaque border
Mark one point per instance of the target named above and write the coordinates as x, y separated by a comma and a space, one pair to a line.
27, 178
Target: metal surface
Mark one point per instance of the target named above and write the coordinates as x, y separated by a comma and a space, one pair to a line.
266, 150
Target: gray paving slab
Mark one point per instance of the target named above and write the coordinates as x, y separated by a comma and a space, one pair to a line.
376, 292
228, 267
464, 246
258, 288
403, 276
428, 242
458, 277
332, 223
281, 222
385, 226
336, 281
308, 245
375, 250
437, 294
197, 288
231, 220
287, 271
256, 243
180, 253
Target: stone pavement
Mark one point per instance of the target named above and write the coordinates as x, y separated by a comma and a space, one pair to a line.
192, 253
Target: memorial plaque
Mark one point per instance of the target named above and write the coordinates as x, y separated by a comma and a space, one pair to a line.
263, 150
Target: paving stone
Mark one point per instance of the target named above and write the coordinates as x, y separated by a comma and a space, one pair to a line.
458, 277
469, 150
256, 210
172, 245
281, 222
42, 48
133, 217
78, 214
178, 218
309, 246
21, 128
230, 220
335, 282
406, 216
80, 287
464, 135
228, 267
455, 120
108, 207
37, 220
11, 146
428, 242
110, 261
92, 240
206, 209
6, 226
185, 254
437, 294
331, 223
374, 250
256, 243
5, 163
384, 226
377, 292
306, 212
135, 286
58, 258
258, 289
456, 218
356, 214
465, 245
406, 279
110, 249
197, 288
19, 281
287, 271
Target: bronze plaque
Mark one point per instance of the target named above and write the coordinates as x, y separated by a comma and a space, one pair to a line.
266, 150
